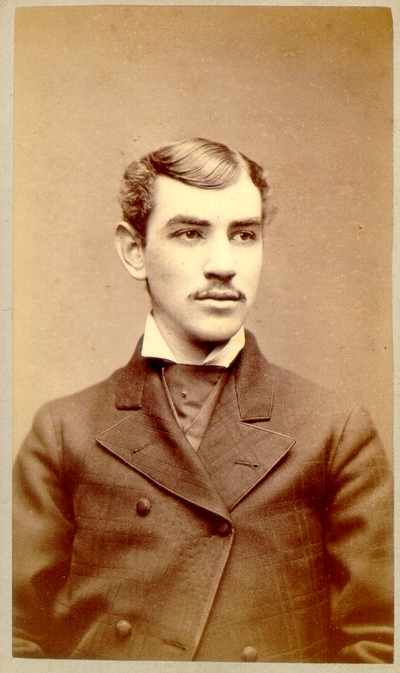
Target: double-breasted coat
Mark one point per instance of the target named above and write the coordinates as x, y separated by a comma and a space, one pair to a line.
272, 542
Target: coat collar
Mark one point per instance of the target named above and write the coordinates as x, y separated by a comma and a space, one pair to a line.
130, 381
255, 401
255, 383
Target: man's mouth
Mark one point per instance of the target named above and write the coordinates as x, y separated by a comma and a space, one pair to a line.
219, 295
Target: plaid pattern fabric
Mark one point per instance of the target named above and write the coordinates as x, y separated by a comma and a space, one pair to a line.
275, 536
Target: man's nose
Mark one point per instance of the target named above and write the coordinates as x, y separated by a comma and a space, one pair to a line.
220, 262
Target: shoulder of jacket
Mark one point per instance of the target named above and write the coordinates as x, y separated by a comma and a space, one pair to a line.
90, 399
296, 394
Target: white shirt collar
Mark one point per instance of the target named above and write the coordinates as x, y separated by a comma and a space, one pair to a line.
155, 346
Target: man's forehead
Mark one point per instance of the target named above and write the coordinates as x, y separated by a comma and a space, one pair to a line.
241, 200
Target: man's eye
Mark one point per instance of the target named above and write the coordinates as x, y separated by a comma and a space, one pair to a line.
189, 234
244, 236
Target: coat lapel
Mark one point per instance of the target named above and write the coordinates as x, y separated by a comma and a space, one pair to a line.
239, 449
150, 441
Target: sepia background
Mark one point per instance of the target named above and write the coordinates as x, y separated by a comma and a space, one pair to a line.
306, 92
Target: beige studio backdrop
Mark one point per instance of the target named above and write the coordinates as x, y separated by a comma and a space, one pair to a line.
306, 92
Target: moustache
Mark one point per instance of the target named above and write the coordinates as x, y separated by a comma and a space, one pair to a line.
219, 292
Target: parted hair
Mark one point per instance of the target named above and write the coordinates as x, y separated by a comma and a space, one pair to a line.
197, 162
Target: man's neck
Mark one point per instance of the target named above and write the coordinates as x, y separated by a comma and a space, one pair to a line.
155, 344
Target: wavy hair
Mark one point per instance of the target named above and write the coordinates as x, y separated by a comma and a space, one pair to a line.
197, 162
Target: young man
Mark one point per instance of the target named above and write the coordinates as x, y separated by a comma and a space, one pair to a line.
201, 504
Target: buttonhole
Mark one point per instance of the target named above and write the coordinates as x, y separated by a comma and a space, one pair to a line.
140, 449
254, 466
178, 645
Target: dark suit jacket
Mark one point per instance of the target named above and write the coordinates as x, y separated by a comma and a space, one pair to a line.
275, 536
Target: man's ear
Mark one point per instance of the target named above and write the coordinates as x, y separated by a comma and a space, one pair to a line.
130, 249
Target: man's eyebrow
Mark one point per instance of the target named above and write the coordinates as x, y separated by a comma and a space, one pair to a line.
251, 222
187, 220
190, 220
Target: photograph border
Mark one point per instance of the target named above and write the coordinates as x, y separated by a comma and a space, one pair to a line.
7, 10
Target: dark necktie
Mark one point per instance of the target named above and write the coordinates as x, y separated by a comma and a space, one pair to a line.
190, 387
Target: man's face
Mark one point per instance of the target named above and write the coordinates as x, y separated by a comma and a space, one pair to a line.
203, 258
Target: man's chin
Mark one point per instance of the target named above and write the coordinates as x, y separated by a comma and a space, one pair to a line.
215, 337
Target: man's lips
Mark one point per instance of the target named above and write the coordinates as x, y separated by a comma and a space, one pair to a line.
219, 295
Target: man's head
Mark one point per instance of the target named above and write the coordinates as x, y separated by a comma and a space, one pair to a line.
193, 219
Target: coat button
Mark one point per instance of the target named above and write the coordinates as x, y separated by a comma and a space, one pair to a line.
143, 506
224, 528
249, 654
123, 628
